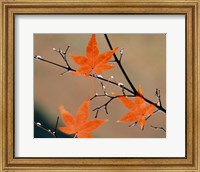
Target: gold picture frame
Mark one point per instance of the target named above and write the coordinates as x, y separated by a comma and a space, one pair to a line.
10, 8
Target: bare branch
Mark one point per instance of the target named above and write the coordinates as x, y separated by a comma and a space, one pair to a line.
100, 95
157, 94
100, 78
133, 124
55, 130
159, 128
53, 133
97, 112
63, 73
103, 106
63, 55
120, 66
66, 50
146, 118
121, 54
45, 129
103, 88
127, 78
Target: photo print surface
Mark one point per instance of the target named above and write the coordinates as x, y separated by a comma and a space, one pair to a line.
100, 86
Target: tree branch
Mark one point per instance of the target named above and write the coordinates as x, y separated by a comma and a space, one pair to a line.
69, 69
45, 129
73, 70
55, 130
105, 105
127, 78
53, 133
146, 118
158, 128
121, 67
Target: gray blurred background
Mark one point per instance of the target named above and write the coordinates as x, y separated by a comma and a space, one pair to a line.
144, 60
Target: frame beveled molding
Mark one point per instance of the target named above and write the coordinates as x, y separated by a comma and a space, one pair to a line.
10, 8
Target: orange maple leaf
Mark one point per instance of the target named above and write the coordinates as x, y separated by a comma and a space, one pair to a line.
92, 60
139, 109
79, 125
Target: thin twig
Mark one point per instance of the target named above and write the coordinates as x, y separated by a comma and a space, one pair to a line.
103, 106
55, 130
146, 118
64, 55
159, 97
53, 133
97, 112
66, 50
63, 73
45, 129
100, 95
159, 128
103, 88
105, 94
121, 54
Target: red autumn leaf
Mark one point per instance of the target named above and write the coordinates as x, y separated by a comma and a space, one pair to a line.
79, 125
93, 61
139, 109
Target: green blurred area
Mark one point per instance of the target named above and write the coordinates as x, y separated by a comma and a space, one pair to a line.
39, 116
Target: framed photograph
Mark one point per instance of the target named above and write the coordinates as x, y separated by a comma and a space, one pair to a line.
99, 85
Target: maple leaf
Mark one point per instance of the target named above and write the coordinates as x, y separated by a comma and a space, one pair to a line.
79, 125
93, 61
139, 109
